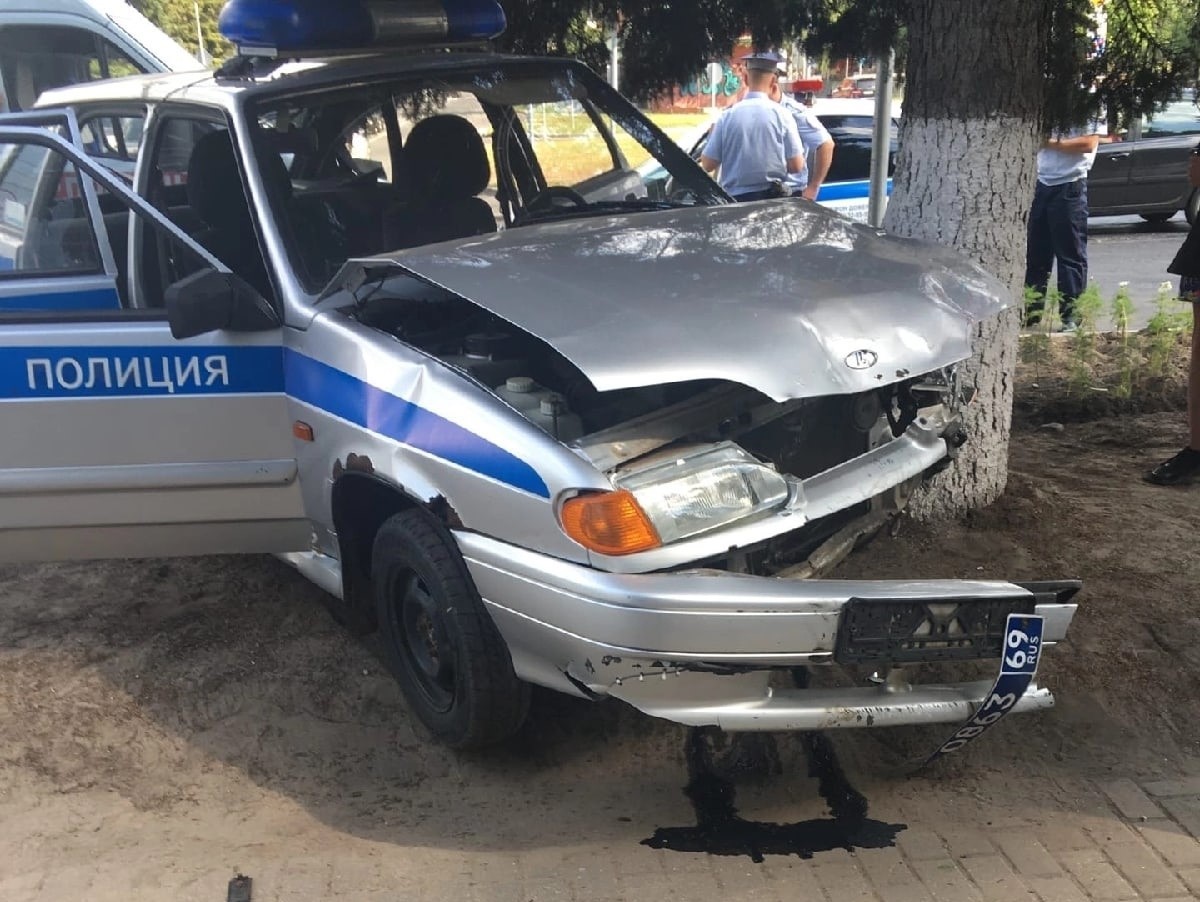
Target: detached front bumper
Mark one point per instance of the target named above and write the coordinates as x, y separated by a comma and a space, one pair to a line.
700, 647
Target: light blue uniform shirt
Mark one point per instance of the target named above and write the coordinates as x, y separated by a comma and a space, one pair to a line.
753, 142
1061, 167
812, 135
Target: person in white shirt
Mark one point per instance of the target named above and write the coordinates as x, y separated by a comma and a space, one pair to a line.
818, 146
1058, 219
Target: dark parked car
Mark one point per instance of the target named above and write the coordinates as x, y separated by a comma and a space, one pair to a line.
1146, 173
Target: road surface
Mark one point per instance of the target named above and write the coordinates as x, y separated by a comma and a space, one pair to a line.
1128, 249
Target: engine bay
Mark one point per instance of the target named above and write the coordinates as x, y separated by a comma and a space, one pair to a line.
521, 369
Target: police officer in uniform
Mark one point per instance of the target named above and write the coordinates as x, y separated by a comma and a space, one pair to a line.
755, 145
818, 146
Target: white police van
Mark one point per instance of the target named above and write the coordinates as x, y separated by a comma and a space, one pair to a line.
411, 320
46, 44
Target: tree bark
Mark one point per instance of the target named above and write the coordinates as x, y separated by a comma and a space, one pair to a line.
964, 177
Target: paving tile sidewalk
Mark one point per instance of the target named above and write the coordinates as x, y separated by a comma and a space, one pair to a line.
1129, 841
1112, 841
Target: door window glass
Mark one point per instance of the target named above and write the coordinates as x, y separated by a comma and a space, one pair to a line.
366, 145
1179, 118
113, 140
569, 147
200, 189
44, 225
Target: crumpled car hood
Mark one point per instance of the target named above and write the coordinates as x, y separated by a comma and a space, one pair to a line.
784, 297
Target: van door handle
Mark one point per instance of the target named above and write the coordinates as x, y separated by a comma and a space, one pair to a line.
1119, 156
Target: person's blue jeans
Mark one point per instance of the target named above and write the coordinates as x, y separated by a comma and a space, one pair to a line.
1058, 232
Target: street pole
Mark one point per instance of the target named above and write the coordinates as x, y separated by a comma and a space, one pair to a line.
614, 58
716, 72
881, 140
201, 53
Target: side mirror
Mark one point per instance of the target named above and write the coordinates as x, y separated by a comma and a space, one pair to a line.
209, 300
372, 168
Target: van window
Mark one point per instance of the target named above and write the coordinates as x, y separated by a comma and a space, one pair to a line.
36, 58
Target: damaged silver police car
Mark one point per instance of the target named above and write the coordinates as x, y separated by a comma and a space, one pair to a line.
412, 321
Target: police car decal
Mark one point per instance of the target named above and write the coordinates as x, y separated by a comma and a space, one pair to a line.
72, 299
851, 199
350, 399
106, 372
100, 372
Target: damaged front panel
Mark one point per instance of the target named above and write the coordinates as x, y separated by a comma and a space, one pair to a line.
786, 298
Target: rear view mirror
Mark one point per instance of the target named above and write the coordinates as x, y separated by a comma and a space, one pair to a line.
209, 300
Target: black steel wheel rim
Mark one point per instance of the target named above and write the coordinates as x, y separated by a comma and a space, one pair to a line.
423, 641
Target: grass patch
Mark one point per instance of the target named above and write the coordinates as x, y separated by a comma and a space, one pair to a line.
1089, 374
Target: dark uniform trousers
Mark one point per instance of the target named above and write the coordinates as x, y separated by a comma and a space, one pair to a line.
1058, 232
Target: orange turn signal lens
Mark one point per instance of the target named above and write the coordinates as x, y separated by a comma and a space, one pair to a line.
609, 523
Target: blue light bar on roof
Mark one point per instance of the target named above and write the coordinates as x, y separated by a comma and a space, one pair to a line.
299, 27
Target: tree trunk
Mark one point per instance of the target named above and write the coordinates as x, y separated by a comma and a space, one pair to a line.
964, 177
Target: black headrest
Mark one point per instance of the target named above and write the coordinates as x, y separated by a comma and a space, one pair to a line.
445, 160
274, 174
214, 185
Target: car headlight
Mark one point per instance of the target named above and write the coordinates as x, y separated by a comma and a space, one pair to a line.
692, 493
704, 490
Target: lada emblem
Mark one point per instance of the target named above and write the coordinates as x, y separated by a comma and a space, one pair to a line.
862, 359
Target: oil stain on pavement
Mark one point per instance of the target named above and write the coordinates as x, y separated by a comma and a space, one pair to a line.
720, 831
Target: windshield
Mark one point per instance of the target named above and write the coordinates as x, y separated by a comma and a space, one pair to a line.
422, 159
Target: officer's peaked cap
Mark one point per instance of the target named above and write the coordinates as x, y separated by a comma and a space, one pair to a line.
763, 61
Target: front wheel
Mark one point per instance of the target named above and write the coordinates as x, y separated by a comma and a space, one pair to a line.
452, 665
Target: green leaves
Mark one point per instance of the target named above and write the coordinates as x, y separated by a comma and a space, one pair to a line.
1153, 46
178, 19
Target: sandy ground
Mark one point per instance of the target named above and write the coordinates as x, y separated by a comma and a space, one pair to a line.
168, 723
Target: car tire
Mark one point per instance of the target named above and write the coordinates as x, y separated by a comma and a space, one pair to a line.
450, 661
1156, 217
1191, 209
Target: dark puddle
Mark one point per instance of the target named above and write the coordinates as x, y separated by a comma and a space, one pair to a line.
719, 830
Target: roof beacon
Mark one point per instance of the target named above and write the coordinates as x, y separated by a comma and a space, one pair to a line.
315, 27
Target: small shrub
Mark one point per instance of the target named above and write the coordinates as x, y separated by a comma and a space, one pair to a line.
1122, 312
1083, 349
1161, 337
1035, 347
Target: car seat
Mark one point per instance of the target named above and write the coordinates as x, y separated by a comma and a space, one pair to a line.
446, 167
216, 195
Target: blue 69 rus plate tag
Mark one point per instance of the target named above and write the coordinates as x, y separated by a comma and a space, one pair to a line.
1022, 648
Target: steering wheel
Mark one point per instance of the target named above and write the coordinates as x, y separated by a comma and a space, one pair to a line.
546, 198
